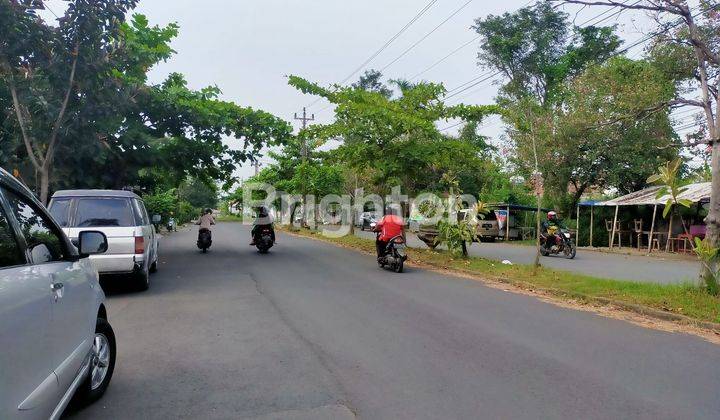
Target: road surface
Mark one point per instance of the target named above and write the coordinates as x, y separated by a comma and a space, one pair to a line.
592, 263
312, 331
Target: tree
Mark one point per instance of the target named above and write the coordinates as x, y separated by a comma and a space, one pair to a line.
117, 131
602, 137
48, 69
392, 136
692, 36
371, 81
536, 53
199, 194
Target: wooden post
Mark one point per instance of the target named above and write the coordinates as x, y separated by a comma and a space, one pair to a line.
652, 230
667, 243
577, 227
592, 210
612, 232
507, 225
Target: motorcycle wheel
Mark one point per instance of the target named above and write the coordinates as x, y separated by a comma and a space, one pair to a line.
544, 252
399, 267
572, 252
204, 250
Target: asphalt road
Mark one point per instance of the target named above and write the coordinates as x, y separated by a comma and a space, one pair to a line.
598, 264
313, 331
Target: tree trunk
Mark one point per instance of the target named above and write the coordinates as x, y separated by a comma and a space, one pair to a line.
713, 218
44, 174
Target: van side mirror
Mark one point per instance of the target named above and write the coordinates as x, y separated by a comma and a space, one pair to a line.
91, 242
156, 218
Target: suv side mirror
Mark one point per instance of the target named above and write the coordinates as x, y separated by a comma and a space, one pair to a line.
156, 218
91, 242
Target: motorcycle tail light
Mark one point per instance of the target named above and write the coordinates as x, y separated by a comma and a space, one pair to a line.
139, 245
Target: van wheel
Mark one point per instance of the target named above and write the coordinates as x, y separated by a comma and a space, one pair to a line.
154, 266
142, 279
102, 364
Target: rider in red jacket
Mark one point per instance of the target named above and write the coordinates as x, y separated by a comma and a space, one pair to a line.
388, 227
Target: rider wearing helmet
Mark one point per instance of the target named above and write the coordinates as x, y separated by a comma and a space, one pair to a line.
552, 221
263, 219
205, 221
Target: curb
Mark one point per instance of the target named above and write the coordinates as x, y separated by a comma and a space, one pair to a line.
629, 307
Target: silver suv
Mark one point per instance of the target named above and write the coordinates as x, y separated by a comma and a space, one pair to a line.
56, 340
122, 217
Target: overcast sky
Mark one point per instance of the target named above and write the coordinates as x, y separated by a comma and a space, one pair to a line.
247, 48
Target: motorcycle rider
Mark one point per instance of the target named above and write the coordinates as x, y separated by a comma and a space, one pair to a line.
205, 221
552, 221
172, 224
263, 219
387, 228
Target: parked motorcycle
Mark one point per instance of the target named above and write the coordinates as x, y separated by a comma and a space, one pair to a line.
563, 243
395, 253
204, 240
264, 239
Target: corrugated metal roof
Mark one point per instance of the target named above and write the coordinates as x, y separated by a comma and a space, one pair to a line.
699, 192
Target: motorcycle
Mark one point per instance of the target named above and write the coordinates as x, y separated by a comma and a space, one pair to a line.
395, 253
204, 240
264, 239
563, 243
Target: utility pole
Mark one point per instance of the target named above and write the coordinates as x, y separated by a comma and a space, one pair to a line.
304, 120
304, 152
257, 167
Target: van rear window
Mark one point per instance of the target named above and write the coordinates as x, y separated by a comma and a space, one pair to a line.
104, 212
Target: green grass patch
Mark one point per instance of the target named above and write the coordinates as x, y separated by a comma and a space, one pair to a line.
687, 300
228, 218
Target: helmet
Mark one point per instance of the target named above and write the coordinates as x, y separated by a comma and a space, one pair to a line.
552, 215
208, 210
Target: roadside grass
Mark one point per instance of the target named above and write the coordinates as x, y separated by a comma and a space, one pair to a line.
686, 300
228, 218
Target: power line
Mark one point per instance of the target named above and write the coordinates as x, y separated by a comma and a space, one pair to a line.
445, 58
427, 35
485, 79
384, 46
482, 125
486, 76
50, 10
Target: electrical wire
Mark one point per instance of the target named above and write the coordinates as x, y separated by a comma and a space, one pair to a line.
385, 45
452, 15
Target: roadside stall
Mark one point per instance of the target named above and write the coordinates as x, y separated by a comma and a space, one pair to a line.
653, 232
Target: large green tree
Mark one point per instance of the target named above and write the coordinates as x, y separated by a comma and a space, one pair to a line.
536, 49
111, 129
600, 137
396, 139
48, 71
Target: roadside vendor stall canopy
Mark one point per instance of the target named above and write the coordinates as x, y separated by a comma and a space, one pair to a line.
697, 193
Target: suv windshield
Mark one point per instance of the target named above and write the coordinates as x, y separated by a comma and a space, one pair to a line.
92, 212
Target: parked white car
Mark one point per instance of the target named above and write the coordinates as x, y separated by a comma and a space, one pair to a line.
122, 217
56, 341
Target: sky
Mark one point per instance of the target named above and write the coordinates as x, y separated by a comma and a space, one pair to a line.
248, 48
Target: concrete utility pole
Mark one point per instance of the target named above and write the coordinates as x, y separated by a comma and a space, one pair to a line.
304, 120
